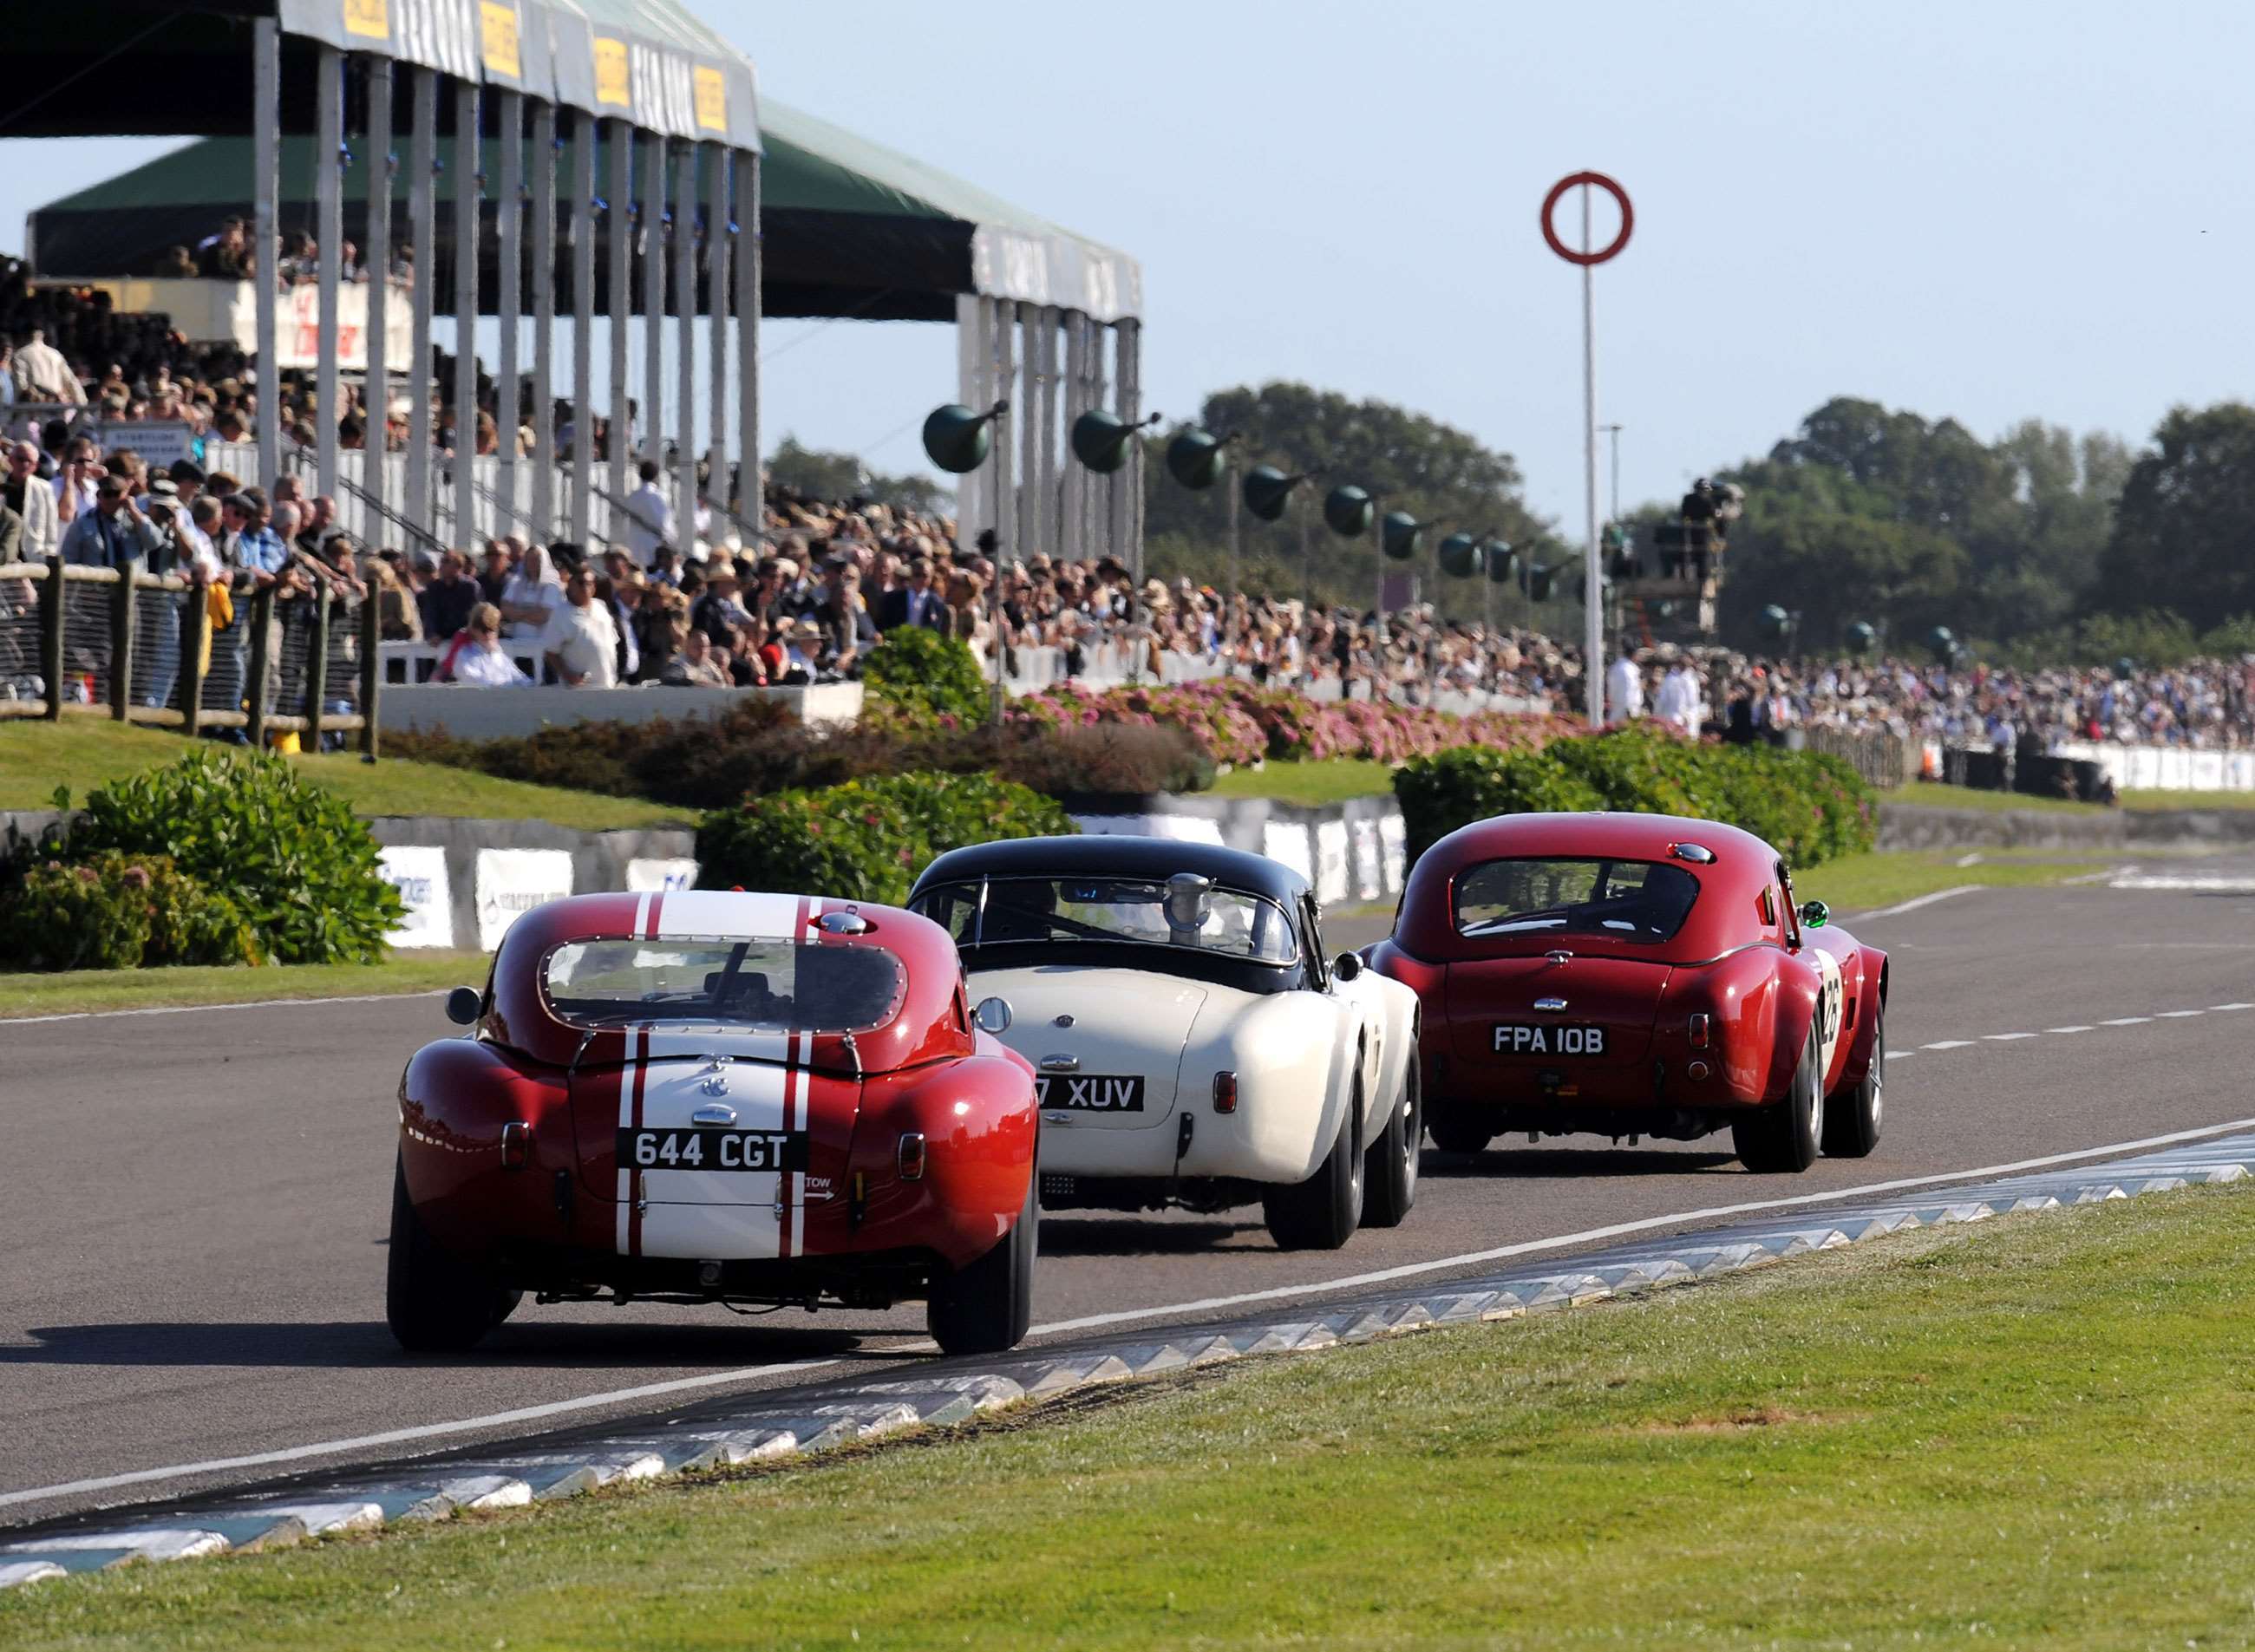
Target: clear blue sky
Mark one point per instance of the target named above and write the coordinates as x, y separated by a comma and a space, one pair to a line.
1988, 210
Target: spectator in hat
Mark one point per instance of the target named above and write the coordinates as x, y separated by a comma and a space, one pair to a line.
113, 533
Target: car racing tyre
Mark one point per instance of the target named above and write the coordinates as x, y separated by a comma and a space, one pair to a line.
986, 1306
1784, 1137
436, 1301
1322, 1213
1456, 1132
1389, 1169
1853, 1117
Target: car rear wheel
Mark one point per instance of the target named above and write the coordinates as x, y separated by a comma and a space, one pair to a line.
1784, 1136
1322, 1213
985, 1307
436, 1300
1852, 1118
1389, 1169
1457, 1132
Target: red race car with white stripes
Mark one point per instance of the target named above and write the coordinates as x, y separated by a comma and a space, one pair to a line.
709, 1097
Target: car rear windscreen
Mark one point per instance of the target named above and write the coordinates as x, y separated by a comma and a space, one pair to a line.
769, 985
1005, 911
1638, 901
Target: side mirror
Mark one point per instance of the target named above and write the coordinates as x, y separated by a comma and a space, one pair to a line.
992, 1015
1347, 965
463, 1006
1814, 915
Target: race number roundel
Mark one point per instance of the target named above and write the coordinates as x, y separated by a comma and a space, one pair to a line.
1595, 255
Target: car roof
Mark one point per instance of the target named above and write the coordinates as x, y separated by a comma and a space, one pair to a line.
1117, 856
1648, 837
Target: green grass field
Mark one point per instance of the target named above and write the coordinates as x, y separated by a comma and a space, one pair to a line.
83, 753
2024, 1433
84, 990
1333, 780
1858, 882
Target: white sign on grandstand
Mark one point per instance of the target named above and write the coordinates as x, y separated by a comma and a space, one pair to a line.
418, 872
512, 881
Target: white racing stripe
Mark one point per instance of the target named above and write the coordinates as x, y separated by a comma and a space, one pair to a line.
1205, 1306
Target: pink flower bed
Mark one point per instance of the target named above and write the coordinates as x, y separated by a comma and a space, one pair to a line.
1236, 722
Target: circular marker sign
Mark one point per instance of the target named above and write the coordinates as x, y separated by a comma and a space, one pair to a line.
1596, 180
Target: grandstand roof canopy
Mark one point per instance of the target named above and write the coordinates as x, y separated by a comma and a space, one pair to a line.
849, 228
102, 69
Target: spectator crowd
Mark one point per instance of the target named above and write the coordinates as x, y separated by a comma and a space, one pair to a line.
805, 594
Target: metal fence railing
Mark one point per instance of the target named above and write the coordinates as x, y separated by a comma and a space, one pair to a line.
160, 650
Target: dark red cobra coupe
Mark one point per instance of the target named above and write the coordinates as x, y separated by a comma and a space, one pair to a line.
717, 1098
1633, 975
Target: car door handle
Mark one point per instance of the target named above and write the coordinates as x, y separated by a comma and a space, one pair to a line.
1060, 1064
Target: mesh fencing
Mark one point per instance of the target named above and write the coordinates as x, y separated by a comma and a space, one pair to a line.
156, 631
21, 674
86, 641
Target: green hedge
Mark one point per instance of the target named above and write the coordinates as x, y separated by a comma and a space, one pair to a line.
291, 857
927, 678
866, 840
1812, 807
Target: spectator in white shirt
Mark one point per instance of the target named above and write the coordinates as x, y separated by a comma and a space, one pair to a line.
1678, 699
580, 640
1624, 689
650, 519
531, 596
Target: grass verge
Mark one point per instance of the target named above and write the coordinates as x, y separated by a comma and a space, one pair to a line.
83, 753
2025, 1433
1858, 883
87, 989
2152, 800
1332, 780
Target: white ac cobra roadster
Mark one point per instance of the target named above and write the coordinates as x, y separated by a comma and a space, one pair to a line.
1192, 1045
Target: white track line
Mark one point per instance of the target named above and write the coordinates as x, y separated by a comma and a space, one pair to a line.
1204, 1305
1922, 900
259, 1004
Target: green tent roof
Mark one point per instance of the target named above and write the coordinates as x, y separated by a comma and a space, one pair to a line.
849, 227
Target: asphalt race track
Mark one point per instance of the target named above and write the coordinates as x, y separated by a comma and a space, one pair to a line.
196, 1219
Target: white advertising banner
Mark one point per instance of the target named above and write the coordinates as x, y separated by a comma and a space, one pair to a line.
1330, 861
660, 876
418, 872
226, 312
510, 883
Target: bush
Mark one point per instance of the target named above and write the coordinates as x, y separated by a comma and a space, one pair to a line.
1809, 806
119, 911
290, 858
866, 840
927, 678
1103, 760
